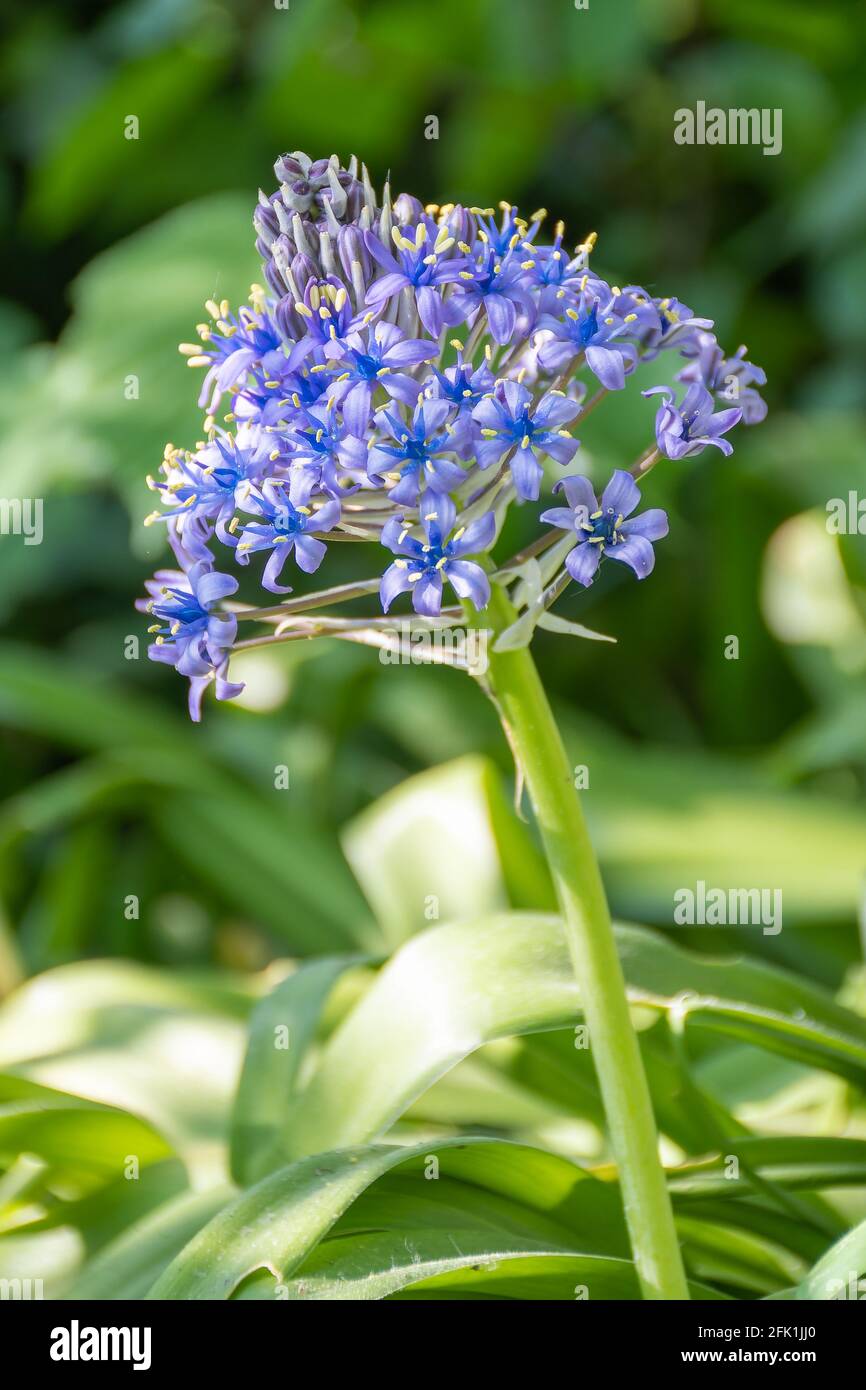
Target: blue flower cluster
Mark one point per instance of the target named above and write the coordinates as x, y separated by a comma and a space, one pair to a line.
401, 380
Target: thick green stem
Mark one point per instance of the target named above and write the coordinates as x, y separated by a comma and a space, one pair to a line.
531, 730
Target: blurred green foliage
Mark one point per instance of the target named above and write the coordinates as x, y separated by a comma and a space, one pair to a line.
749, 770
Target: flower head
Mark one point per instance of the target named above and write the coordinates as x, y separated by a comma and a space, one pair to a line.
353, 416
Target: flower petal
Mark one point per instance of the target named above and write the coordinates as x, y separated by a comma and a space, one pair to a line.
214, 586
309, 553
501, 317
469, 581
636, 552
652, 525
579, 492
582, 562
394, 581
427, 594
526, 473
608, 365
622, 493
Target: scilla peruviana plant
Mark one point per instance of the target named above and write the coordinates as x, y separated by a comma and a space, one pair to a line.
398, 384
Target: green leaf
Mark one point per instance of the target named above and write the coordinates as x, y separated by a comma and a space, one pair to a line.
84, 1142
163, 1046
444, 845
432, 1005
128, 1266
275, 1225
802, 1161
552, 622
206, 813
840, 1272
282, 1029
446, 1215
739, 1258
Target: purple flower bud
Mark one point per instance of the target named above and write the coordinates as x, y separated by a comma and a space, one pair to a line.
304, 269
352, 250
407, 210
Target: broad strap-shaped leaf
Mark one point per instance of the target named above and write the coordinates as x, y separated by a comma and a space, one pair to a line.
282, 1028
81, 1140
445, 846
460, 1217
806, 1162
841, 1272
525, 1199
456, 987
128, 1266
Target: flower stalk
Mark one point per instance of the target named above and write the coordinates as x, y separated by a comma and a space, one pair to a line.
532, 733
